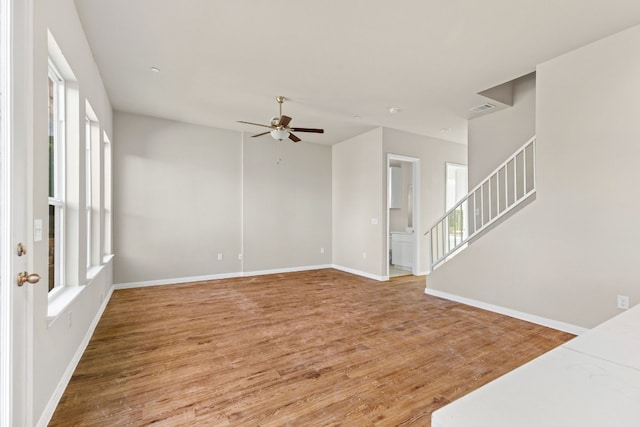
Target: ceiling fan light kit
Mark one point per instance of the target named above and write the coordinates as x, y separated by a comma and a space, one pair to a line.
280, 126
279, 134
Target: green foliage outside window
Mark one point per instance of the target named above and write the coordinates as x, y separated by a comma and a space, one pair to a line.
456, 221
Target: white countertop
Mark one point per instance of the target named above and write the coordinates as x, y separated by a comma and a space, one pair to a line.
592, 380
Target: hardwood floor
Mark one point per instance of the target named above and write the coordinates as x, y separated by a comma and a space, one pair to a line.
319, 348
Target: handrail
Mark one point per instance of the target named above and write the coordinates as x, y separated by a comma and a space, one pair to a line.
505, 188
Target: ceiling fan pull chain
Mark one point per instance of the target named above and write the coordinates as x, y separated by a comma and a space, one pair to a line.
279, 151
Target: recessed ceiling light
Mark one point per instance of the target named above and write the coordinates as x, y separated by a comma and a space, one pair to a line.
445, 129
394, 110
155, 69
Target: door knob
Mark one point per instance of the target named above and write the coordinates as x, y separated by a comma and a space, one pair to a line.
26, 277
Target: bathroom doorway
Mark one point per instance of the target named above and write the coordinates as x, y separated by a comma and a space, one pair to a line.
403, 215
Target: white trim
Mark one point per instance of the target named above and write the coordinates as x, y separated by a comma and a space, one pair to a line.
285, 270
191, 279
59, 299
175, 281
361, 273
241, 254
6, 292
550, 323
416, 204
402, 158
518, 201
48, 411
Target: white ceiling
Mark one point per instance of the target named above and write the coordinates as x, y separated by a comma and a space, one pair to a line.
335, 60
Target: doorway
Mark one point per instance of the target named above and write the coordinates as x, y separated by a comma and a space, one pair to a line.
403, 215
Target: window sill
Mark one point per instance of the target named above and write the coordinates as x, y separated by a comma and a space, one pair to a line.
59, 299
93, 272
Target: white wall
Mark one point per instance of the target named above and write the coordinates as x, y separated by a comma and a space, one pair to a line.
56, 340
433, 154
186, 193
177, 199
287, 204
359, 186
360, 194
493, 137
568, 254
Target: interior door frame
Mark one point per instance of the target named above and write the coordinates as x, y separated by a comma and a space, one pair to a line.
415, 197
16, 189
5, 229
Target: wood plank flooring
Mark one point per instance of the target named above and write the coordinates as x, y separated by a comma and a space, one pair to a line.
319, 348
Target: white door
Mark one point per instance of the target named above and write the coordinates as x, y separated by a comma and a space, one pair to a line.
15, 136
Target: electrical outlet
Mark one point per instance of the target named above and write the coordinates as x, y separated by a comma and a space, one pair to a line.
321, 250
623, 302
220, 256
364, 255
239, 257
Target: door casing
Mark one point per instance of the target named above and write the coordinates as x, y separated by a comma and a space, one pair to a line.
16, 170
415, 194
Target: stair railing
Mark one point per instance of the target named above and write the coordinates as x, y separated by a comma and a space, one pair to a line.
509, 185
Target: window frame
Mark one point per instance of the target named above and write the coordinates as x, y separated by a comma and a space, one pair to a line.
88, 170
57, 199
107, 154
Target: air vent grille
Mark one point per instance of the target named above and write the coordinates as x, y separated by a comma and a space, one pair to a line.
483, 107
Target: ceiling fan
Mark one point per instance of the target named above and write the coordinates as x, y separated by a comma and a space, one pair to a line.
280, 126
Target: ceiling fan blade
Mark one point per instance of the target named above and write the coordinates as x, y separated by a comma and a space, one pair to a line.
260, 134
308, 130
284, 121
293, 137
255, 124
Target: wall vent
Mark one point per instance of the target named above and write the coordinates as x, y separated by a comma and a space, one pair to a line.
483, 107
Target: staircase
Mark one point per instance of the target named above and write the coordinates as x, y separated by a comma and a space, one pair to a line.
507, 187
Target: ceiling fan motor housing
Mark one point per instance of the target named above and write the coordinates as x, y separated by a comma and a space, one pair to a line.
279, 126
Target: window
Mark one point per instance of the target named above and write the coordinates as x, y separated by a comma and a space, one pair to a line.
56, 178
88, 183
107, 195
455, 190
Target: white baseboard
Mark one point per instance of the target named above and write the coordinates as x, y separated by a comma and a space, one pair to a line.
554, 324
361, 273
285, 270
48, 411
217, 276
176, 280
